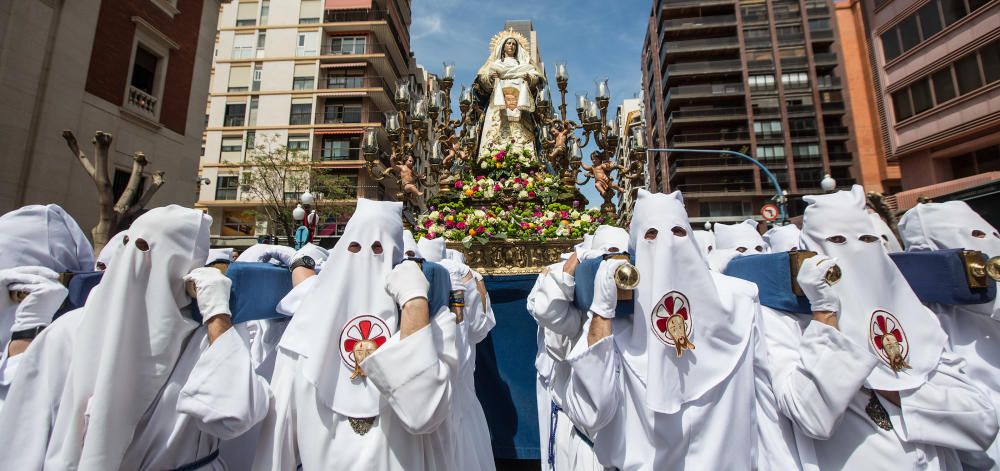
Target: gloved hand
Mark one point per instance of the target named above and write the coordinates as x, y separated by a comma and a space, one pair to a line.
605, 289
406, 282
212, 288
318, 254
812, 280
45, 295
267, 252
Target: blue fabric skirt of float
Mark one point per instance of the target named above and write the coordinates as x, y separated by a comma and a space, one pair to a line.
505, 370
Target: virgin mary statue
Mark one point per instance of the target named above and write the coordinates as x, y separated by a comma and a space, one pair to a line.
509, 76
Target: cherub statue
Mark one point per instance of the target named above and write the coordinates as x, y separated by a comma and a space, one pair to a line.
633, 172
408, 178
560, 135
601, 171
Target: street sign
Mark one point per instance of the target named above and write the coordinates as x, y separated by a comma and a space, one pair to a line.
769, 211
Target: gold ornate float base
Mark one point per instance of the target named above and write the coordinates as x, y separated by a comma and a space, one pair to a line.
513, 257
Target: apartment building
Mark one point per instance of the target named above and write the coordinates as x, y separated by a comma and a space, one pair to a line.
311, 76
627, 118
137, 70
761, 77
936, 65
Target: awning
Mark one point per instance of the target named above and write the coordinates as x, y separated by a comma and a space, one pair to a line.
907, 199
340, 131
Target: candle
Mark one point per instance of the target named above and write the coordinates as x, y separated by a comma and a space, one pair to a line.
561, 71
640, 137
582, 103
370, 141
391, 121
602, 89
466, 96
592, 112
449, 71
543, 95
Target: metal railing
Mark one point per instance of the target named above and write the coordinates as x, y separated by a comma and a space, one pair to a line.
339, 82
700, 21
801, 108
724, 136
142, 101
766, 64
826, 82
784, 39
370, 47
835, 131
840, 157
705, 90
709, 112
299, 118
365, 14
233, 120
700, 44
794, 62
821, 35
732, 187
758, 42
795, 133
680, 68
833, 106
824, 58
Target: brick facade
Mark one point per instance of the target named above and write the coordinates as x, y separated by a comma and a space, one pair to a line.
112, 52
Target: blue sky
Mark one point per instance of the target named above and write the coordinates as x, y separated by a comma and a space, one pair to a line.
595, 38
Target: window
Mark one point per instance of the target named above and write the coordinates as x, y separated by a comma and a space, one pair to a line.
975, 4
301, 111
890, 44
144, 70
908, 32
226, 186
761, 82
265, 11
954, 10
348, 45
944, 85
901, 105
967, 71
348, 79
239, 79
805, 152
298, 143
991, 61
310, 11
258, 72
261, 41
306, 43
251, 140
232, 143
920, 92
303, 77
235, 114
768, 128
795, 80
246, 14
930, 19
341, 113
341, 148
243, 46
724, 208
771, 153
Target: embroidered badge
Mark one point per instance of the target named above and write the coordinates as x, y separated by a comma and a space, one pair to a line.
886, 335
362, 425
877, 413
672, 323
359, 339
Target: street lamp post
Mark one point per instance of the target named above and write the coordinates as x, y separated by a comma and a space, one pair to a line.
302, 232
779, 195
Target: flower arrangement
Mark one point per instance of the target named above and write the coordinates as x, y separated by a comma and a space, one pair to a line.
509, 160
456, 222
527, 185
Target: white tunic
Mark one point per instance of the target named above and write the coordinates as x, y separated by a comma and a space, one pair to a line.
817, 378
974, 336
560, 325
8, 369
416, 379
472, 445
212, 394
607, 397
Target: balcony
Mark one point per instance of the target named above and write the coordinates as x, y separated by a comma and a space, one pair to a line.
141, 102
708, 68
765, 111
706, 91
833, 107
689, 164
755, 17
765, 64
743, 188
828, 83
710, 138
786, 15
708, 114
295, 119
821, 36
800, 109
791, 39
372, 52
841, 158
697, 25
799, 63
824, 59
808, 133
233, 120
836, 132
758, 43
366, 14
358, 86
674, 49
817, 11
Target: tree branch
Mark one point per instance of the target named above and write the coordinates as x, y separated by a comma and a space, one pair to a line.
158, 181
80, 156
134, 180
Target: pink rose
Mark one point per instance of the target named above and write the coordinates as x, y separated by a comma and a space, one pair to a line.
428, 223
458, 185
449, 224
460, 225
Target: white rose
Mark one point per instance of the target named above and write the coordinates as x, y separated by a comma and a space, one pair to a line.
480, 213
434, 215
575, 214
586, 218
482, 164
523, 194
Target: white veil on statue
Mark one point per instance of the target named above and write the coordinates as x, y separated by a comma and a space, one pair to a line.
510, 95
